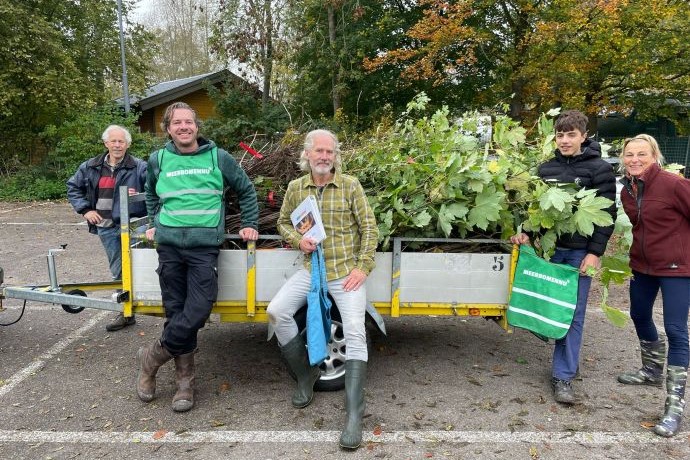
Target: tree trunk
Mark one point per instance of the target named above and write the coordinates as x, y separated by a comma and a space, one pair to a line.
268, 55
516, 101
335, 83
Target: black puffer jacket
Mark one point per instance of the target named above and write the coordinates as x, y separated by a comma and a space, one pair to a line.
587, 170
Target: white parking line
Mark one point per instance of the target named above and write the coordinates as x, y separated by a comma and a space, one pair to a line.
472, 437
26, 207
52, 224
37, 365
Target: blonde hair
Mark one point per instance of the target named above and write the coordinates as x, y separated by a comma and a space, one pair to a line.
656, 151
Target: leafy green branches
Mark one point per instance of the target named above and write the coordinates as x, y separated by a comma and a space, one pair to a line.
427, 175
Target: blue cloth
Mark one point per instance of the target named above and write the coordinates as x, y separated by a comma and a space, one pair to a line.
318, 310
566, 353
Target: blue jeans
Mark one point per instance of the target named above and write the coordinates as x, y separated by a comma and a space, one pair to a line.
110, 238
675, 293
351, 305
566, 353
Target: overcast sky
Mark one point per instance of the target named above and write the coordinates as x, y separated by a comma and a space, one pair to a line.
141, 9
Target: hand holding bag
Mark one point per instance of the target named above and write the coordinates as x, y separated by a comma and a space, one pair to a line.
544, 295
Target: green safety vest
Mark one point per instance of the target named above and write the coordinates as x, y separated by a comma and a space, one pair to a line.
190, 188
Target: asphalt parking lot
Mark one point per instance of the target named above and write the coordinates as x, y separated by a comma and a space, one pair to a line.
438, 387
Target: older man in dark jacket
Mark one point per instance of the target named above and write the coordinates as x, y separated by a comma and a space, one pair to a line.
93, 192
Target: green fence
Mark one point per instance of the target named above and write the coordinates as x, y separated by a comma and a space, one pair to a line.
675, 150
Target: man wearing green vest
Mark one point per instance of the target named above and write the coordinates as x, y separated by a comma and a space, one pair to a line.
184, 200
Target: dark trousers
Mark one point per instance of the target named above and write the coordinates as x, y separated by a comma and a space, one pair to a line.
189, 286
675, 293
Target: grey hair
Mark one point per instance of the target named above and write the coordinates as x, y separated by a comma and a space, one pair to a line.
309, 144
106, 133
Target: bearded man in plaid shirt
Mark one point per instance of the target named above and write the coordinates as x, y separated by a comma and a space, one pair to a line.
349, 247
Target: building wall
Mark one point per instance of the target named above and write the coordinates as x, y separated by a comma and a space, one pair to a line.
150, 120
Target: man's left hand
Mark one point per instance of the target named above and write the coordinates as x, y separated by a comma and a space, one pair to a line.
354, 280
249, 233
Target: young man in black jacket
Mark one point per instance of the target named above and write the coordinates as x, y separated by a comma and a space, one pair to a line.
577, 160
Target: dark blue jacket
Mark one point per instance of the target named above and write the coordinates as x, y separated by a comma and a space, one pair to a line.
82, 187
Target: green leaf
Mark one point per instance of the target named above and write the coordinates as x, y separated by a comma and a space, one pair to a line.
487, 208
556, 198
586, 217
615, 316
457, 210
615, 269
422, 219
548, 242
444, 223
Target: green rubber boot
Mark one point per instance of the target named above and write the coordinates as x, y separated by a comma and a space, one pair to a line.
653, 358
295, 353
676, 377
355, 378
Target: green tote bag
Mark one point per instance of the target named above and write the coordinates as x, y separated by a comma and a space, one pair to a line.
544, 295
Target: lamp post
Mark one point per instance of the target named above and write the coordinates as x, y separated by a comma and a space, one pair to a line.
125, 86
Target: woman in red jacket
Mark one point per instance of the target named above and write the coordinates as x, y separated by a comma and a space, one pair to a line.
658, 205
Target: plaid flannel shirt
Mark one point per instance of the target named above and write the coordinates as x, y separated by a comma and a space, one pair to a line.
351, 231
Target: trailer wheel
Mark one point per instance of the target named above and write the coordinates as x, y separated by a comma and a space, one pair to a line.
70, 308
333, 368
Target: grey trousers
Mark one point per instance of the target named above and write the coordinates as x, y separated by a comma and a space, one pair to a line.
352, 306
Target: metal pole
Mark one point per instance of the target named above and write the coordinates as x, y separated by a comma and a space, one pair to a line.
125, 87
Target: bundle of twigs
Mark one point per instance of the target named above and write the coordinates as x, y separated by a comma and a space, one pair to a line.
271, 175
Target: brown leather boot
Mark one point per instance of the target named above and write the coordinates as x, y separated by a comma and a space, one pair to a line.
184, 375
150, 357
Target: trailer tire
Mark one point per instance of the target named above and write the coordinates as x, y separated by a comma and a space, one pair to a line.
70, 308
333, 368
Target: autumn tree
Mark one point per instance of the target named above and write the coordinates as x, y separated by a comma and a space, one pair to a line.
58, 58
251, 33
611, 57
596, 55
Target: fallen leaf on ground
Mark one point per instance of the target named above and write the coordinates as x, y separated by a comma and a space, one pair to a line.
377, 430
159, 434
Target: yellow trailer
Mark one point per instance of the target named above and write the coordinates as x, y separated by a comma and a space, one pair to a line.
404, 283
